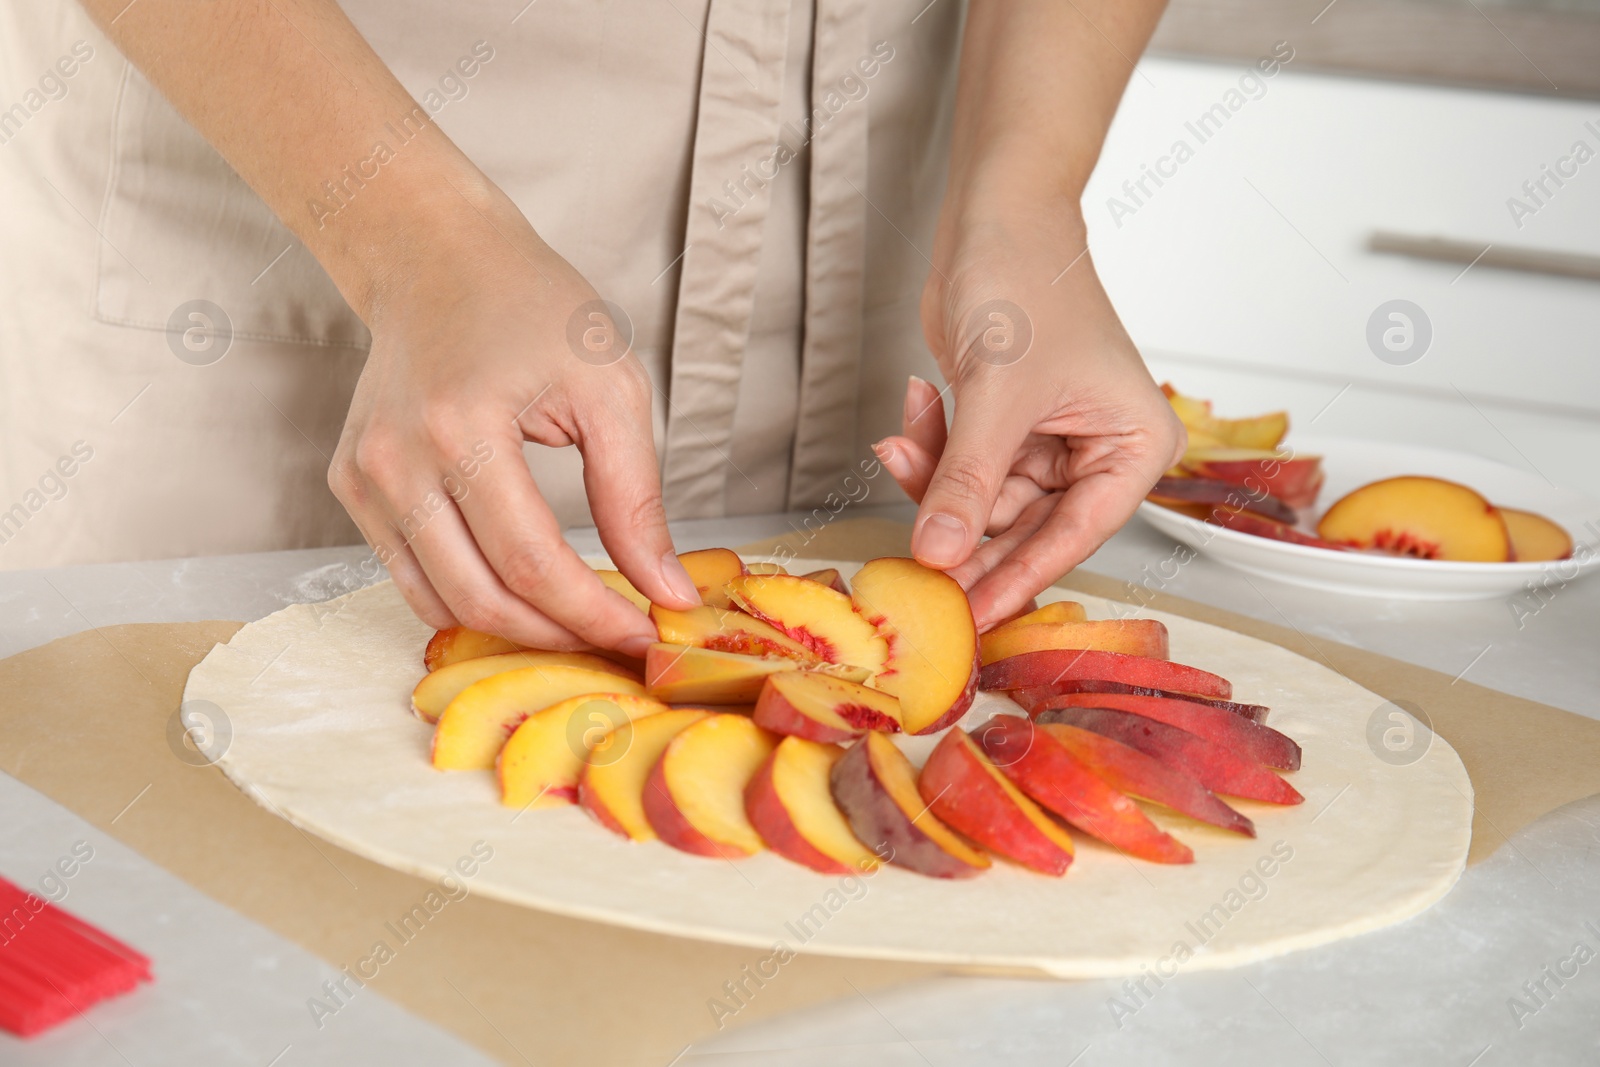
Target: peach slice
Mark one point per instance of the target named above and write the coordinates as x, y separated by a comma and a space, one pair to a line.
1055, 778
876, 787
932, 640
1244, 522
618, 581
1217, 768
830, 577
1413, 515
962, 787
1182, 492
1295, 480
435, 692
764, 568
1058, 611
1039, 694
477, 723
1261, 431
611, 785
540, 763
694, 797
1066, 665
1131, 637
824, 620
456, 643
822, 708
1261, 744
1534, 538
684, 674
710, 569
790, 803
1136, 774
725, 630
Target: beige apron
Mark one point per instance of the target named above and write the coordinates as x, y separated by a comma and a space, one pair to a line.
754, 183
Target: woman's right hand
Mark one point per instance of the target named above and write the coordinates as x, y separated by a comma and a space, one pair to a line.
470, 357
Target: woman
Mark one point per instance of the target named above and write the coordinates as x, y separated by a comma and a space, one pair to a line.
755, 187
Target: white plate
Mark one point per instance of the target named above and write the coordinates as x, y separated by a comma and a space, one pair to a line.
317, 698
1350, 464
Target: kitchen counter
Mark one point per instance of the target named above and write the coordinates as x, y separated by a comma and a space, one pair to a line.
1437, 989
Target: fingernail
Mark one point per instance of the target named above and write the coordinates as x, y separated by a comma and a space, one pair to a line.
915, 404
678, 579
892, 458
940, 540
636, 646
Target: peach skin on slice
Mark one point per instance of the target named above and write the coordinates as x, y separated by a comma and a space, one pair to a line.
694, 796
821, 708
830, 577
456, 643
435, 692
1244, 522
1428, 518
1066, 665
790, 804
1138, 775
1131, 637
1055, 778
684, 674
726, 630
540, 763
1257, 743
478, 722
611, 785
822, 619
932, 661
1534, 538
1056, 611
962, 787
876, 787
1038, 694
1295, 480
710, 569
1179, 492
1215, 767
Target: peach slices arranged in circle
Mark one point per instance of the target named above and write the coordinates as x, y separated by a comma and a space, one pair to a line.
764, 720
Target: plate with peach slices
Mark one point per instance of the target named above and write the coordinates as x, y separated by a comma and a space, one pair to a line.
827, 756
1365, 517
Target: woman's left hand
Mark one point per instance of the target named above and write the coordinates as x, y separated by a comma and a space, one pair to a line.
1059, 430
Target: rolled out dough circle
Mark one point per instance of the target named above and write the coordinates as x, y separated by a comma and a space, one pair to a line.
318, 700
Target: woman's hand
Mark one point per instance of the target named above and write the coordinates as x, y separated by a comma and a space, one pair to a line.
494, 339
1059, 430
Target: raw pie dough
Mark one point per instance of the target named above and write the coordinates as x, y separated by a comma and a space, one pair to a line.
318, 700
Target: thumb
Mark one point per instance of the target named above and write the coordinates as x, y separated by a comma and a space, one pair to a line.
984, 437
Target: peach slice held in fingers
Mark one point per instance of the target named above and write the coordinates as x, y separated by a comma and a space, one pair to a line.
1055, 778
1058, 611
694, 796
1217, 768
435, 692
611, 785
1534, 538
1131, 637
710, 569
477, 723
456, 643
1068, 665
961, 786
726, 630
790, 803
617, 581
1428, 518
932, 664
876, 787
1260, 744
1138, 775
822, 708
822, 619
540, 763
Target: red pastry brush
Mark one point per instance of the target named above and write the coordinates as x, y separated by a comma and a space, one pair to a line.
54, 965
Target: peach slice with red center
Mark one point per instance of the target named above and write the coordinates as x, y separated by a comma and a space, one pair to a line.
611, 785
1428, 518
477, 723
1055, 778
1069, 665
962, 787
790, 803
725, 630
540, 763
683, 674
456, 643
694, 797
822, 708
1131, 637
824, 620
876, 787
1534, 538
1262, 744
932, 663
435, 692
711, 569
830, 577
